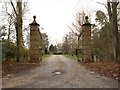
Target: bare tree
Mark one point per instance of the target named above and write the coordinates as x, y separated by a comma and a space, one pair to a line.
2, 32
10, 18
15, 18
113, 22
113, 12
18, 26
76, 27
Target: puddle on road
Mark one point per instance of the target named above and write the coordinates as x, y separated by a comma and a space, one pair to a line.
92, 73
9, 75
58, 72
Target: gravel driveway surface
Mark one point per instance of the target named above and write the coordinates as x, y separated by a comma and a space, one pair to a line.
57, 71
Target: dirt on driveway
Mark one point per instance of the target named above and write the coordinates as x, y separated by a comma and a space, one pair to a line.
57, 71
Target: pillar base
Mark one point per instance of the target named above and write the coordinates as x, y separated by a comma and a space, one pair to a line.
87, 60
78, 60
35, 59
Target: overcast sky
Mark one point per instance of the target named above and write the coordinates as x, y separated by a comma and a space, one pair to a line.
56, 15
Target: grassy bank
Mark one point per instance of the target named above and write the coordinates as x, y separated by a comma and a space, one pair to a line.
74, 57
45, 56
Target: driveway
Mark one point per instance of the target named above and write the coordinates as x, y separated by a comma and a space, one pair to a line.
57, 71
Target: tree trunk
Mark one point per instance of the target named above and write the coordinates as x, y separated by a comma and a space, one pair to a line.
19, 30
115, 30
111, 28
18, 26
9, 32
112, 12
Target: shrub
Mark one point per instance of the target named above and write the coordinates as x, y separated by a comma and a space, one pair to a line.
8, 50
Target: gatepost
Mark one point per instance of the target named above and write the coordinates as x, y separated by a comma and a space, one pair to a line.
86, 41
35, 42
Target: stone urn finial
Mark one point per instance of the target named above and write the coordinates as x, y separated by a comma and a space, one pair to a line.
86, 20
34, 21
34, 17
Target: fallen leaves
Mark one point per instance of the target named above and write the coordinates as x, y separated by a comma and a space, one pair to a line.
12, 66
107, 68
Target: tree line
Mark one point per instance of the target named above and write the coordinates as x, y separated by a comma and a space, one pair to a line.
105, 34
15, 38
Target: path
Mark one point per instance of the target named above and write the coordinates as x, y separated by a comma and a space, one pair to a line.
72, 75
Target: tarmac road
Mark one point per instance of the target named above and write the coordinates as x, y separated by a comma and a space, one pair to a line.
57, 71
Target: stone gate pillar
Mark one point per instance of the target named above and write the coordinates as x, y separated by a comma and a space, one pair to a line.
35, 42
86, 41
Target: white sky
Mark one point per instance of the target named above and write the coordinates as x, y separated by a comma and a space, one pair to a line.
56, 15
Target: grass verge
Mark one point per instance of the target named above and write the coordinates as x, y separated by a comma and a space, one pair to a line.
74, 57
45, 56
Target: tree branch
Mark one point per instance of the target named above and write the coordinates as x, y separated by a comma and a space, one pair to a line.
13, 7
117, 3
76, 27
102, 4
109, 10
